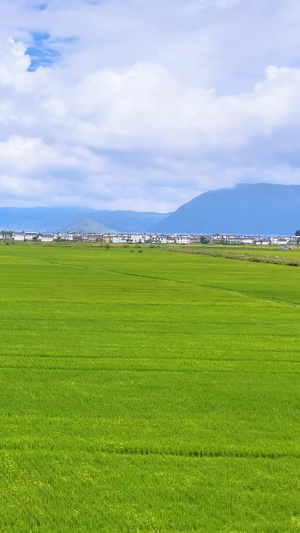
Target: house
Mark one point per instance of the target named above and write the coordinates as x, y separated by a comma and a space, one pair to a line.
262, 242
280, 240
47, 237
19, 236
6, 236
246, 239
31, 235
221, 237
77, 237
137, 238
118, 239
233, 239
163, 239
170, 239
89, 237
183, 239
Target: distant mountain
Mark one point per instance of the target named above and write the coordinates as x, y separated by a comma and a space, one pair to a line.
263, 208
44, 219
128, 221
254, 209
87, 225
51, 219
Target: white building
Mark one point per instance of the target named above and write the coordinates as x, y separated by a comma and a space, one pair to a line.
163, 239
263, 242
30, 235
19, 236
137, 238
120, 238
247, 239
47, 237
280, 240
65, 236
183, 239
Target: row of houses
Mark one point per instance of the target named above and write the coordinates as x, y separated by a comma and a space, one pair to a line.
152, 238
139, 238
254, 239
121, 238
27, 236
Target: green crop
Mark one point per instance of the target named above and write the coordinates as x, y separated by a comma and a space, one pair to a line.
147, 392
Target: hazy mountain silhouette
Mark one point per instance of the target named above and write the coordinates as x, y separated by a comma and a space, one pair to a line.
50, 219
87, 225
253, 209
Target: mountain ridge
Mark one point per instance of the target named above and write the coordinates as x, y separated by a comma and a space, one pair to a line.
53, 219
247, 208
262, 208
87, 225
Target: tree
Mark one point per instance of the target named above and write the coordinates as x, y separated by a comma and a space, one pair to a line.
297, 233
204, 239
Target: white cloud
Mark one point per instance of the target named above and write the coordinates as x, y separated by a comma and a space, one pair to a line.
19, 187
147, 108
150, 103
195, 6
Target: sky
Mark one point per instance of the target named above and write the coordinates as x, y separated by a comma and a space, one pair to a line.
143, 105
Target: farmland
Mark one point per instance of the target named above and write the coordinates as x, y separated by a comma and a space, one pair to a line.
276, 255
144, 390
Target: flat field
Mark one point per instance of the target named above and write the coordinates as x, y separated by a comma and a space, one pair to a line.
147, 391
256, 253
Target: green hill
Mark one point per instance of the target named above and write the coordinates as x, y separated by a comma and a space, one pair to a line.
87, 225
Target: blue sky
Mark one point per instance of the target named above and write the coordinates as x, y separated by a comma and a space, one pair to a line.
42, 52
143, 105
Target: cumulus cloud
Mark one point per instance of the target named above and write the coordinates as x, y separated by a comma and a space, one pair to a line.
120, 119
147, 108
196, 5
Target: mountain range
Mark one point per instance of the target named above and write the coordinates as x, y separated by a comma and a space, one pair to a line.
263, 209
69, 219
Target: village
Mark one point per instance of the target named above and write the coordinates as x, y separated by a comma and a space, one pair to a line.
149, 238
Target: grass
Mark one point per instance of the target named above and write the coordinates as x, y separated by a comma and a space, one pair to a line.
276, 255
147, 392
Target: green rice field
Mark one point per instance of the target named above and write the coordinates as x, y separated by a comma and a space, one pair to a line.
256, 254
147, 390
